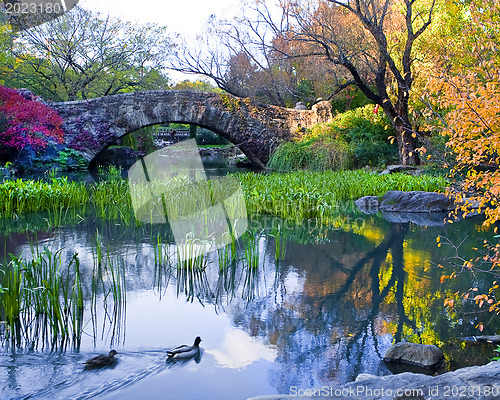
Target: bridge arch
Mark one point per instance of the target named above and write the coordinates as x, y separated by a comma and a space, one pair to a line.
93, 125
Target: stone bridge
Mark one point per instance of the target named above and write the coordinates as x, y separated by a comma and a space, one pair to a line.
93, 125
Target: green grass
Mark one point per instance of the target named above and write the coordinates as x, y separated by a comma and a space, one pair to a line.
295, 195
305, 194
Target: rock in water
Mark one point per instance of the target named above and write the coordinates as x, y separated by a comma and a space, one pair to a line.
368, 204
417, 201
422, 355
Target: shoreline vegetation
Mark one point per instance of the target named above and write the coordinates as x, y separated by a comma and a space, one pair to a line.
294, 195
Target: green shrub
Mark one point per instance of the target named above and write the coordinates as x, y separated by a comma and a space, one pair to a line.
319, 153
368, 134
357, 137
70, 160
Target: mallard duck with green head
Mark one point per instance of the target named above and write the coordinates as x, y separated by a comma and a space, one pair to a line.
184, 351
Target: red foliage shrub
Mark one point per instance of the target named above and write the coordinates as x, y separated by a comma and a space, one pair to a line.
27, 122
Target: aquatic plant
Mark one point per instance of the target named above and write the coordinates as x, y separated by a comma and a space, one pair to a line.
252, 250
43, 300
279, 243
20, 196
108, 281
302, 195
294, 196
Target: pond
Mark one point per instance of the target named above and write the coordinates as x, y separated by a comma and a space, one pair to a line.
320, 312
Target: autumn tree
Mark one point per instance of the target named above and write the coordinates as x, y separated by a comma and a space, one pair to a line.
368, 44
463, 96
238, 56
83, 55
26, 122
463, 90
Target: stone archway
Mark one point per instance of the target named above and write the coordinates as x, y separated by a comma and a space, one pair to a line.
93, 125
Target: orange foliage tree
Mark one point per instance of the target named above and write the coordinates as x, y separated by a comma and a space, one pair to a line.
464, 84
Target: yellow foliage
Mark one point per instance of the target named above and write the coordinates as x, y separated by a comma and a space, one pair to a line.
467, 90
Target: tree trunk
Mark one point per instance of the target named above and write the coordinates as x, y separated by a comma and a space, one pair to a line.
406, 145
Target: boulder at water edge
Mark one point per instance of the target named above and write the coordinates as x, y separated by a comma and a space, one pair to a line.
422, 355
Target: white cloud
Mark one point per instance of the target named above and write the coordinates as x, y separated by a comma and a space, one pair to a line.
239, 349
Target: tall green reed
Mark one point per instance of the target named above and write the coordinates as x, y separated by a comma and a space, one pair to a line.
43, 300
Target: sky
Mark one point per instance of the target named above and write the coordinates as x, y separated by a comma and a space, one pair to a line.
182, 16
186, 17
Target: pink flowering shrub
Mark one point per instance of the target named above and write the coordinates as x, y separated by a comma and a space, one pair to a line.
27, 122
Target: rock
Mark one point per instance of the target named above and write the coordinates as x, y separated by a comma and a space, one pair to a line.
119, 156
368, 204
400, 168
422, 355
422, 219
417, 201
483, 381
5, 173
300, 106
489, 339
392, 169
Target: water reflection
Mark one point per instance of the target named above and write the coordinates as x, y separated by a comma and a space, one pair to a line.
323, 314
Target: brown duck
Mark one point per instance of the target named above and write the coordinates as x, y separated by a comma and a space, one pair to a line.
101, 360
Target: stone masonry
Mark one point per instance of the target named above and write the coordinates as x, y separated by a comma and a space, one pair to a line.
93, 125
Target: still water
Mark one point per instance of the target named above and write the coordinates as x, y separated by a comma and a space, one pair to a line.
323, 313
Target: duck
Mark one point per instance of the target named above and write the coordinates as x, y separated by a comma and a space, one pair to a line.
185, 351
101, 360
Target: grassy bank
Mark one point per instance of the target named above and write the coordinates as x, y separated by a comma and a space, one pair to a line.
295, 195
307, 194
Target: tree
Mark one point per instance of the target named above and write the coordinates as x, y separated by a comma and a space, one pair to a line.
463, 92
27, 122
237, 56
197, 86
374, 44
464, 89
366, 43
83, 55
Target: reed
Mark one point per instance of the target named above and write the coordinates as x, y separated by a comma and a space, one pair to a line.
252, 250
293, 196
108, 281
17, 197
43, 300
111, 200
279, 243
109, 172
191, 255
305, 194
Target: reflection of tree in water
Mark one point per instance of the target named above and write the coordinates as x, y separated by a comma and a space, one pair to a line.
318, 332
331, 308
338, 307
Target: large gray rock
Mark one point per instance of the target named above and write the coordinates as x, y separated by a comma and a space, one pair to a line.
472, 383
392, 169
368, 204
417, 201
421, 355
